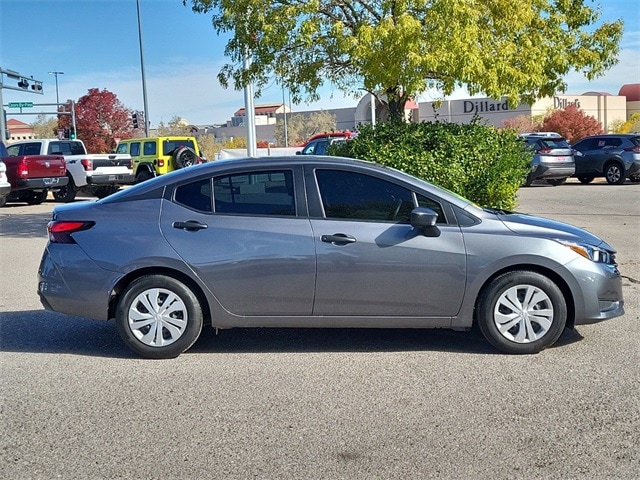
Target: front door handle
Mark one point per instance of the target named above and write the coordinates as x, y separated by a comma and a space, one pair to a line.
190, 225
338, 239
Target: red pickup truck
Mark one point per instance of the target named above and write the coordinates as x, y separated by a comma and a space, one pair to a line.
32, 176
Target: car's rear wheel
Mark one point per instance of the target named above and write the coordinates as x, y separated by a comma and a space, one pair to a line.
159, 317
586, 180
36, 198
614, 173
521, 312
557, 181
143, 176
67, 193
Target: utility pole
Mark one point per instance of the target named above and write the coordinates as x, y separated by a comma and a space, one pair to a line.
56, 75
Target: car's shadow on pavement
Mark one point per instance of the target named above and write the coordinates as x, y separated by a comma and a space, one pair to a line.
40, 331
24, 225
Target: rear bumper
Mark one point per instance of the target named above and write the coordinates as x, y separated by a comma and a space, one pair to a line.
543, 171
53, 183
111, 179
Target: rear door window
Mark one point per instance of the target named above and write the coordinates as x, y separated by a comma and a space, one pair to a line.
268, 192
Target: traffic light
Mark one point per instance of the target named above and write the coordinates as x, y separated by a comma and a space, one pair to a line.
72, 133
67, 132
134, 116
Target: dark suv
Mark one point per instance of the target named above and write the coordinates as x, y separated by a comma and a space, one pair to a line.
552, 158
615, 157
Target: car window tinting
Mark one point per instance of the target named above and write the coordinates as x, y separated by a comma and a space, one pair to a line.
170, 145
149, 148
196, 195
255, 193
433, 205
356, 196
135, 150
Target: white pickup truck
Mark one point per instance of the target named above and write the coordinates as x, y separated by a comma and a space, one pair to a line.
98, 174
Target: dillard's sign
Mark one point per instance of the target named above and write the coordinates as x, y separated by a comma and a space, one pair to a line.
482, 106
562, 103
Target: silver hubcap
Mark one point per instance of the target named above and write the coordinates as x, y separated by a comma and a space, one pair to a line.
614, 174
523, 314
157, 317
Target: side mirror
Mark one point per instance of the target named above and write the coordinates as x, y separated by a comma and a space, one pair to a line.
425, 219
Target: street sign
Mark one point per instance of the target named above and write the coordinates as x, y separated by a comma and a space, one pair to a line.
20, 104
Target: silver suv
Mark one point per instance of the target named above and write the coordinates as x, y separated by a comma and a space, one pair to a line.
615, 157
552, 158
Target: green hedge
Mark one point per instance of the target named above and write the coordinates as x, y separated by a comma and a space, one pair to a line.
478, 162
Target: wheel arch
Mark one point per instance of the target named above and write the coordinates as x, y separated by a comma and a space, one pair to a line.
542, 270
122, 284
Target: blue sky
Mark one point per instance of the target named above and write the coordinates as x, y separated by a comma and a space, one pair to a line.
95, 44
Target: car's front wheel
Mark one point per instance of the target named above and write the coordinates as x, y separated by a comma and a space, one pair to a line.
159, 317
521, 312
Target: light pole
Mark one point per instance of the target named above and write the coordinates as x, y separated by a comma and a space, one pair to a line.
56, 75
144, 80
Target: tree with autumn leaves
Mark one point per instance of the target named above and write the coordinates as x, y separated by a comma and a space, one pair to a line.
100, 119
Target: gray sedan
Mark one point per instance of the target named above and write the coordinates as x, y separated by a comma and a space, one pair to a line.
319, 242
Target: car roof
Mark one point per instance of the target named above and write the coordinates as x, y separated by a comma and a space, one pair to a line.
233, 164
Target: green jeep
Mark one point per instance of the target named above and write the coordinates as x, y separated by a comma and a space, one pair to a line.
159, 155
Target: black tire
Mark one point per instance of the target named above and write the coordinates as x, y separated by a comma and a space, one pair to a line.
67, 193
180, 326
557, 181
3, 200
143, 175
102, 192
586, 180
36, 198
501, 303
185, 157
614, 173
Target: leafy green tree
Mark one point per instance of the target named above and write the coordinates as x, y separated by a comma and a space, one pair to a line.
630, 126
100, 119
572, 123
301, 126
518, 48
45, 127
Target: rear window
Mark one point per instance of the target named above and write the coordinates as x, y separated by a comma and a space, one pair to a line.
553, 143
170, 145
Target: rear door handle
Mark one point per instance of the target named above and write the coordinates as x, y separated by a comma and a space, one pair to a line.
338, 238
190, 225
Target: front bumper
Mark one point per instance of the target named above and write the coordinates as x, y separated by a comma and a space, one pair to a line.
600, 291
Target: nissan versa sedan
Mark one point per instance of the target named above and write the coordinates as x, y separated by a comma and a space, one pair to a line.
323, 242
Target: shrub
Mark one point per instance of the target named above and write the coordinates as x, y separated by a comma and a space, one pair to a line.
475, 161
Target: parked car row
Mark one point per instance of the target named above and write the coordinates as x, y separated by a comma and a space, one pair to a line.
35, 167
615, 157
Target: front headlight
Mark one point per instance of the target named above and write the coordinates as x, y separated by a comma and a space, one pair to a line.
595, 254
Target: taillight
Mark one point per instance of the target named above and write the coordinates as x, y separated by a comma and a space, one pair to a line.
87, 164
161, 162
22, 170
60, 231
634, 149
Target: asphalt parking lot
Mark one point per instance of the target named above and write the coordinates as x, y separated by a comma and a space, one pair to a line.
321, 404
